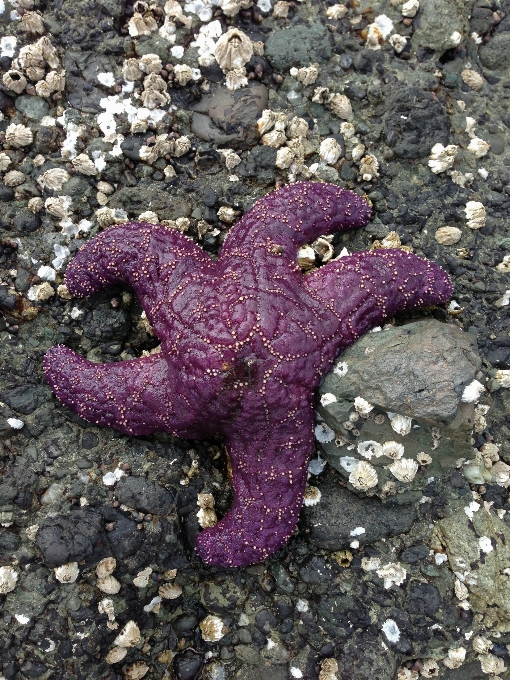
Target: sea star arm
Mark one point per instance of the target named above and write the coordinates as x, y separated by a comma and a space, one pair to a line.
367, 287
295, 215
136, 397
149, 257
269, 471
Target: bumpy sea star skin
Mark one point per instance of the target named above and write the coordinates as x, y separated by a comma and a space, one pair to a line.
245, 341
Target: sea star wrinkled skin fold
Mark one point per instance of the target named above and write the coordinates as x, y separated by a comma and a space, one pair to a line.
245, 341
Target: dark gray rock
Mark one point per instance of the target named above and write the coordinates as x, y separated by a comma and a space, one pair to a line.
418, 370
438, 19
74, 538
364, 658
26, 398
32, 107
6, 193
8, 492
135, 200
230, 116
105, 323
495, 54
299, 45
339, 512
26, 221
415, 122
143, 494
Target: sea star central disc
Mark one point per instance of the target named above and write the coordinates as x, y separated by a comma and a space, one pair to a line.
244, 340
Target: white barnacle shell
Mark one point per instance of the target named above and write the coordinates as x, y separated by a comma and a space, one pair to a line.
392, 573
226, 214
410, 8
14, 178
398, 42
341, 106
369, 167
284, 157
266, 121
357, 149
306, 257
150, 63
67, 573
472, 392
148, 216
491, 664
401, 424
503, 266
212, 628
336, 12
106, 567
323, 248
56, 80
274, 138
363, 476
461, 591
181, 146
330, 150
423, 458
170, 591
281, 9
392, 450
429, 669
59, 206
137, 670
233, 50
475, 214
143, 577
206, 514
131, 70
327, 399
116, 655
503, 378
369, 449
481, 644
141, 24
362, 406
8, 579
306, 75
82, 163
323, 433
108, 584
442, 157
478, 147
183, 73
33, 23
18, 135
404, 469
54, 179
455, 658
312, 496
231, 7
106, 607
297, 127
129, 636
14, 80
500, 473
153, 99
236, 79
472, 78
447, 236
35, 204
5, 161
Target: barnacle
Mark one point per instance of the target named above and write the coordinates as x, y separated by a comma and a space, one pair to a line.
82, 163
183, 73
14, 80
472, 78
364, 476
14, 178
404, 469
330, 150
475, 214
236, 79
54, 179
33, 22
341, 106
306, 75
149, 63
18, 135
67, 573
129, 636
233, 50
212, 628
442, 157
8, 579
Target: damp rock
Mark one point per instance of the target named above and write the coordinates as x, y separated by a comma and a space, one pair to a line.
299, 46
76, 537
415, 122
340, 513
419, 370
477, 543
145, 495
230, 116
495, 54
441, 22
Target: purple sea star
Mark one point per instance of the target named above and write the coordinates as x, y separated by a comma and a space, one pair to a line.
244, 343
